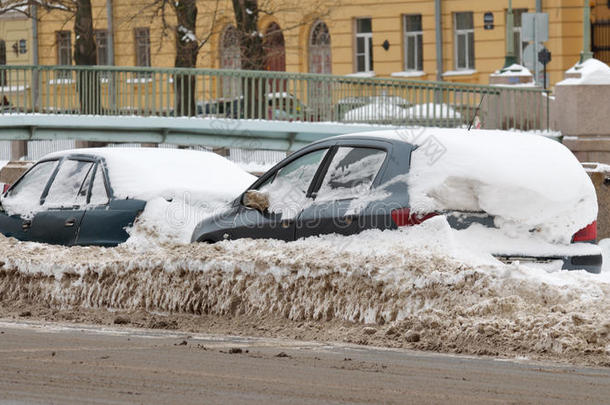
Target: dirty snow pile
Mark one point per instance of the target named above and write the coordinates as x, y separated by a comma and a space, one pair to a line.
419, 287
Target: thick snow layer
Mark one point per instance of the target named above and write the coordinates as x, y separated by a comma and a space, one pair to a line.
531, 184
592, 71
422, 281
146, 173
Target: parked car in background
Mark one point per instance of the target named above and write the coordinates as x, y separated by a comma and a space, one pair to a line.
90, 196
281, 106
523, 197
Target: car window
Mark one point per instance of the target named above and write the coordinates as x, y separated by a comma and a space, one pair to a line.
297, 174
99, 196
33, 183
68, 182
288, 189
351, 172
81, 196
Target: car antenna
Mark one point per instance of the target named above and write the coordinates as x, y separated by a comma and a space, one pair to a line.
476, 112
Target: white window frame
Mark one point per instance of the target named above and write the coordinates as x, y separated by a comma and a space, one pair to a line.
457, 33
418, 52
368, 40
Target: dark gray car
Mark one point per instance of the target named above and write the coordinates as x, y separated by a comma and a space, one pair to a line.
340, 185
70, 202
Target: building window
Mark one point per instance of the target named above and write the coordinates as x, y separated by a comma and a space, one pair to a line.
519, 45
464, 41
64, 48
142, 46
319, 49
101, 43
364, 45
413, 42
230, 58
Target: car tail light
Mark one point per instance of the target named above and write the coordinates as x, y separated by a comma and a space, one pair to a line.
403, 217
5, 188
586, 234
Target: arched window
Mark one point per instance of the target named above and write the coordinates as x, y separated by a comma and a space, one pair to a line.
230, 55
275, 49
319, 49
319, 92
230, 58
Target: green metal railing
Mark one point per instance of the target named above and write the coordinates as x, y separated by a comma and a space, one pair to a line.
105, 90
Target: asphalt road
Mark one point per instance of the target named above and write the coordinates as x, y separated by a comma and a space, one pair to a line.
64, 364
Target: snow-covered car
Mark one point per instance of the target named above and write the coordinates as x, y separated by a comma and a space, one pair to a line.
90, 196
522, 197
280, 106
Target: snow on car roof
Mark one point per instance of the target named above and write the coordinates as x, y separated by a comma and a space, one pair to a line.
529, 182
145, 173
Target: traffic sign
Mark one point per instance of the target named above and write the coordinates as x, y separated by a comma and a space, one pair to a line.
544, 56
535, 27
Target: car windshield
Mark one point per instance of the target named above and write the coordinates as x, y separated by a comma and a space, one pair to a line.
24, 197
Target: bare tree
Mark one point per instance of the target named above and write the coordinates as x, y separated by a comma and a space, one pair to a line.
85, 52
250, 39
188, 44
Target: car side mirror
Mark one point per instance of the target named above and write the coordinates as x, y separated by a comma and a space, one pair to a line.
257, 200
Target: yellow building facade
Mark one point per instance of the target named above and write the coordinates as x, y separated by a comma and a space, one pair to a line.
391, 38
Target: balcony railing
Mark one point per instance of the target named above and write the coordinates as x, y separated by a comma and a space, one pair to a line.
238, 94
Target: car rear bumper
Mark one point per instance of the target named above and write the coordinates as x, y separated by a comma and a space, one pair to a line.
589, 263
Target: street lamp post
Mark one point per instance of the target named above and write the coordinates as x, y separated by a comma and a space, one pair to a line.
586, 35
510, 38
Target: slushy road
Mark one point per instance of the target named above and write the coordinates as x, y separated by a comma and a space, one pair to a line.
68, 363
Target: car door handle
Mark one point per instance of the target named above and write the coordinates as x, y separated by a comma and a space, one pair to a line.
286, 224
25, 225
70, 222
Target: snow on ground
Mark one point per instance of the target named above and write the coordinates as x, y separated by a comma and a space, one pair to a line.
426, 287
420, 287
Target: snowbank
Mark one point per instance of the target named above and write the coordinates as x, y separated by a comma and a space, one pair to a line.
592, 71
421, 287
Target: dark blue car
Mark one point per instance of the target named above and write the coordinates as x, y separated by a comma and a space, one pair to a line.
91, 196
